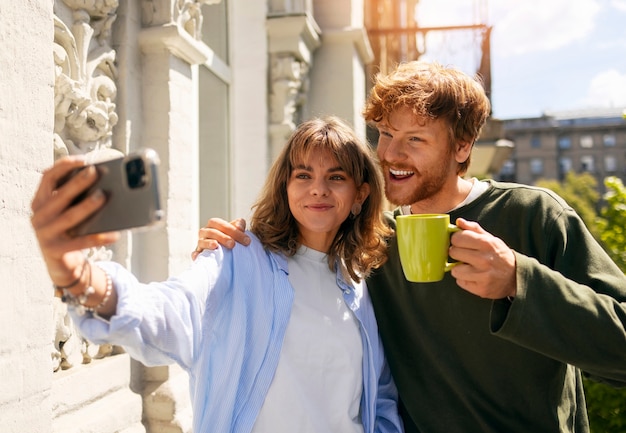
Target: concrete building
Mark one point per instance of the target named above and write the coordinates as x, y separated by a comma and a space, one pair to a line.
552, 145
215, 86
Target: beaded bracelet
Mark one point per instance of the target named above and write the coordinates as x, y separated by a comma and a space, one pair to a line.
107, 292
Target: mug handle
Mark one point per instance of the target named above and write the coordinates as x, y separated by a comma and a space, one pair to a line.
451, 229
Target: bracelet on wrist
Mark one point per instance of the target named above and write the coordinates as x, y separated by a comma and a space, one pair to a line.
78, 302
60, 290
107, 292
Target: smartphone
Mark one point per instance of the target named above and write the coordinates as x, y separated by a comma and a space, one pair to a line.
130, 185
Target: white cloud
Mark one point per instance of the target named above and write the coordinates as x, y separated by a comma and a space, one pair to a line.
538, 25
620, 5
607, 89
434, 13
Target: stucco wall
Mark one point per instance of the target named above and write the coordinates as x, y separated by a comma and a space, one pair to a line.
26, 116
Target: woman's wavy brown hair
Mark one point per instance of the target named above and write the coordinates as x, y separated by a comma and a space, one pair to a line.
360, 244
432, 91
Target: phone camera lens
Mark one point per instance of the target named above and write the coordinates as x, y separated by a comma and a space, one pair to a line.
135, 173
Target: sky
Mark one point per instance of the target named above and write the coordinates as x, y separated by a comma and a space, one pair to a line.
546, 55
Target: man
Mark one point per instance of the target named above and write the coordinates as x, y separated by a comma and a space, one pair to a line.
500, 343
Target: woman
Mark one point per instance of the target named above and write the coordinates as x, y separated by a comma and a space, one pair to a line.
279, 336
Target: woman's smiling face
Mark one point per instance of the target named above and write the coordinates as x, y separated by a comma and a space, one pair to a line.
321, 195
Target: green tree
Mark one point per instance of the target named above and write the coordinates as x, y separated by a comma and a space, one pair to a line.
580, 191
612, 225
606, 405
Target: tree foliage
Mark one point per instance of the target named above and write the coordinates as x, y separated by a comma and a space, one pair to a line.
606, 405
580, 191
612, 225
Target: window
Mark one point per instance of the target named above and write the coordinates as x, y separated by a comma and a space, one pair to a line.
508, 168
586, 163
536, 166
535, 142
507, 172
610, 164
586, 141
214, 82
565, 165
565, 142
609, 140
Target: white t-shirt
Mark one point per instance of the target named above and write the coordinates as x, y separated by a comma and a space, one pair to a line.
319, 380
478, 187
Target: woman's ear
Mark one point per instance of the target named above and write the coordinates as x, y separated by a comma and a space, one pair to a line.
362, 193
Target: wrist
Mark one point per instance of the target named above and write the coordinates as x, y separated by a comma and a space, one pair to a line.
74, 285
89, 292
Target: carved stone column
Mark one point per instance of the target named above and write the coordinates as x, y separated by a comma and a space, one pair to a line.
84, 101
292, 40
338, 78
85, 91
171, 47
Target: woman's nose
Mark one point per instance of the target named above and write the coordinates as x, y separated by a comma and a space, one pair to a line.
319, 187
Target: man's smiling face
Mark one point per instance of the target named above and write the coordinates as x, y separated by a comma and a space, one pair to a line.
416, 156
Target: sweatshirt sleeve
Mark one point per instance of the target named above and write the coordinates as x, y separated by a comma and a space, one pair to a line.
573, 307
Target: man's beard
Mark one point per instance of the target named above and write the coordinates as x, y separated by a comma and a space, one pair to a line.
425, 186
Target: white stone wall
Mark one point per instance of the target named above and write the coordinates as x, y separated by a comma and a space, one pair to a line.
26, 121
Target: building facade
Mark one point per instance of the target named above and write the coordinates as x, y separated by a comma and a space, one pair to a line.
215, 86
548, 147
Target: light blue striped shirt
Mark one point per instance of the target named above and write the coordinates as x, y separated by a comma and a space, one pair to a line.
223, 320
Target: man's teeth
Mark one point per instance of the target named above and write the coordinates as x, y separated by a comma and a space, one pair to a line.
400, 172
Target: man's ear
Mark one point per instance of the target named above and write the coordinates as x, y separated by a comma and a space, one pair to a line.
463, 150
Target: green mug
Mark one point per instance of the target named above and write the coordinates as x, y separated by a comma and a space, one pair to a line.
423, 243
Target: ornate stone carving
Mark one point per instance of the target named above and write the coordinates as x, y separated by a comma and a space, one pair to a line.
288, 90
84, 101
187, 14
288, 78
85, 75
69, 348
292, 40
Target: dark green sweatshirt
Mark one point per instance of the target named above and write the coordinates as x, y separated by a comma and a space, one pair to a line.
466, 364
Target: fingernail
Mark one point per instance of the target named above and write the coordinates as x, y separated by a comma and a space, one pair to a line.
246, 241
87, 171
97, 195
